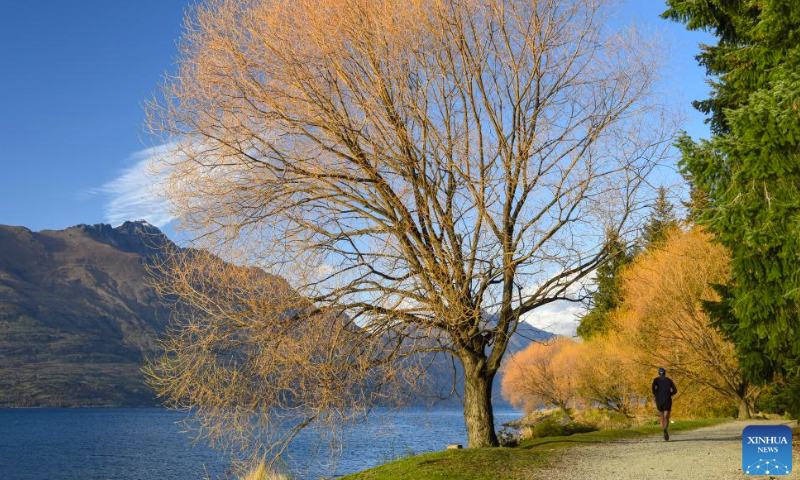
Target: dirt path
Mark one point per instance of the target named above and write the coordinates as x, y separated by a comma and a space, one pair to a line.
706, 453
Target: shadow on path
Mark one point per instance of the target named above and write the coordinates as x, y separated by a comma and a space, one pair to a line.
734, 438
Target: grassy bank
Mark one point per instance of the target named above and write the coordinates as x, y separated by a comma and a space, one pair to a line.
505, 463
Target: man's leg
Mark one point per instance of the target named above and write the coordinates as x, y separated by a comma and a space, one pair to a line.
666, 424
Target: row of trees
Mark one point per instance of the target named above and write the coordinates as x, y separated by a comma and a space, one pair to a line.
746, 178
606, 296
566, 374
744, 191
660, 321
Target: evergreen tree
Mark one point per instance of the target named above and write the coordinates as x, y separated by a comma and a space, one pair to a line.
607, 295
750, 172
661, 221
698, 199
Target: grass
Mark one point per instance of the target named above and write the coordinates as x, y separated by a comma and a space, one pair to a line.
516, 463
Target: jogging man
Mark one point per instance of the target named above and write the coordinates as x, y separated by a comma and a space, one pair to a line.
663, 390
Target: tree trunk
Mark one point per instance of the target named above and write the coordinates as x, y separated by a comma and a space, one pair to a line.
744, 405
478, 412
744, 408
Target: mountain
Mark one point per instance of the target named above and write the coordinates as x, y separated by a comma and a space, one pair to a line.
77, 314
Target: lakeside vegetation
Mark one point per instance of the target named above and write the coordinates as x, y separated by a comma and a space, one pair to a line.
504, 463
657, 321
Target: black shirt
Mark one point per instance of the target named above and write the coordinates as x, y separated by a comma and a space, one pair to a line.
663, 388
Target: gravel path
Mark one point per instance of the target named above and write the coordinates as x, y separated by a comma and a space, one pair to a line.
706, 453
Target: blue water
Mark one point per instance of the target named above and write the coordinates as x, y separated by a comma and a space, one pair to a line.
148, 444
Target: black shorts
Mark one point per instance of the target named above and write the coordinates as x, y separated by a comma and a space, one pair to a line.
664, 406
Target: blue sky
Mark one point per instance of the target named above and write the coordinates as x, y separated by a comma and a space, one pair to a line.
74, 76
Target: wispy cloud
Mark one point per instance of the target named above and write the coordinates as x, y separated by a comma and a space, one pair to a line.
559, 317
134, 194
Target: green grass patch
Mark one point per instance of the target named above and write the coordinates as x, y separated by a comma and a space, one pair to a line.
550, 427
506, 463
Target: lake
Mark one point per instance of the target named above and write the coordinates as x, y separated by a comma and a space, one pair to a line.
148, 444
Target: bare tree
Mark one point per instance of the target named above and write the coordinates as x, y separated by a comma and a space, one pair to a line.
427, 171
258, 363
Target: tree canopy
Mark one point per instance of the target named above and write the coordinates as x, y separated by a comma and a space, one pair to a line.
659, 322
749, 171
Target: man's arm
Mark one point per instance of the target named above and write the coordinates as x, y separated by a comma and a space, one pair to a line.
672, 388
654, 387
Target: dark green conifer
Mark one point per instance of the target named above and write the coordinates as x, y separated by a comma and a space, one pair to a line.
749, 171
607, 294
661, 220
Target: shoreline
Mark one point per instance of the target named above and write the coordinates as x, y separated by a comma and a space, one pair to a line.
526, 461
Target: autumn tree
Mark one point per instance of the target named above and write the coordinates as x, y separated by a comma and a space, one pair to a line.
428, 172
607, 294
610, 377
567, 374
663, 320
542, 375
247, 344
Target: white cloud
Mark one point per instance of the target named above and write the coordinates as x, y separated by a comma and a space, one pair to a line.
134, 194
560, 317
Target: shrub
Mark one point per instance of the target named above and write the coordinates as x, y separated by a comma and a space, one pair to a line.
550, 427
604, 418
508, 437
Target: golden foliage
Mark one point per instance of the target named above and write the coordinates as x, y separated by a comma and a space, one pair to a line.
256, 362
663, 321
542, 375
609, 377
261, 472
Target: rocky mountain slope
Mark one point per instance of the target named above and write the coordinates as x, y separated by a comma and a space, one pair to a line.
77, 314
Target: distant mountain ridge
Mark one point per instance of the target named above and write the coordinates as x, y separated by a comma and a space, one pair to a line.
78, 316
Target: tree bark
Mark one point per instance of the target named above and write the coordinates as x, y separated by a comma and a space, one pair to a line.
744, 405
744, 408
478, 411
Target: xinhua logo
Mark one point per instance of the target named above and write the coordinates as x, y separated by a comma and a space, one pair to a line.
767, 450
